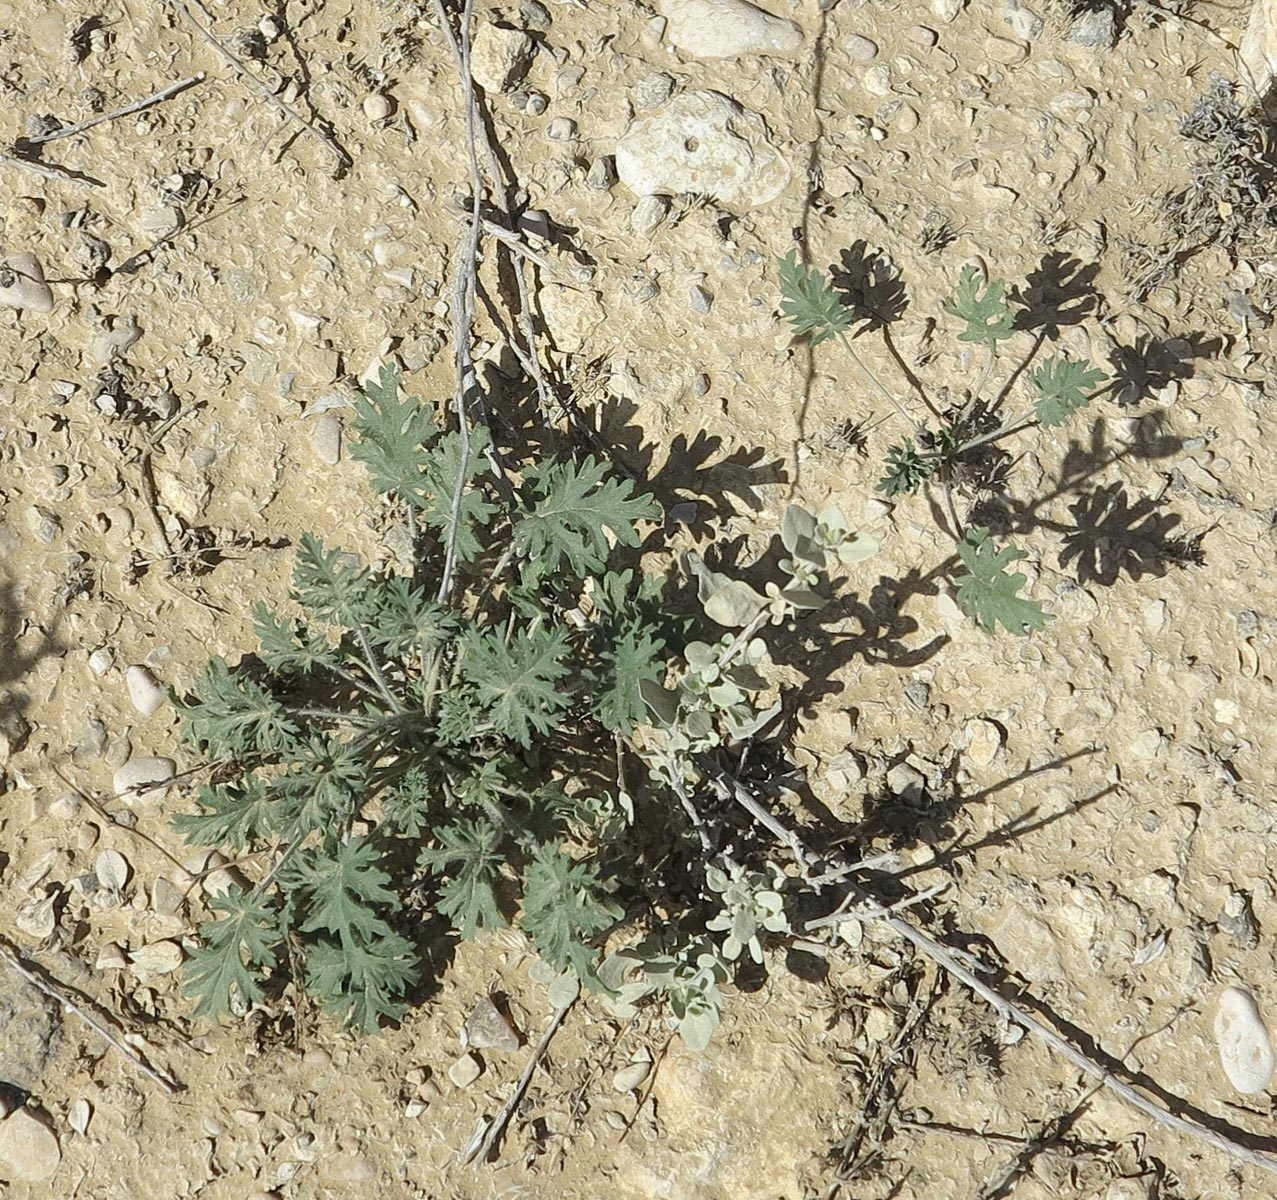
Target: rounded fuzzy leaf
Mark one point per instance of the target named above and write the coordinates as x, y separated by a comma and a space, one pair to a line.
734, 604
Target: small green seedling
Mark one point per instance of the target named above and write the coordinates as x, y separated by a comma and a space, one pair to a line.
950, 453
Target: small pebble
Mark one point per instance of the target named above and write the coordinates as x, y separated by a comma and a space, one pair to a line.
139, 772
145, 691
112, 870
155, 959
561, 129
111, 958
700, 300
877, 81
920, 35
861, 49
1096, 29
79, 1114
984, 742
325, 439
906, 119
464, 1071
648, 214
486, 1028
29, 1149
727, 29
378, 107
631, 1077
602, 175
22, 284
906, 782
65, 807
1005, 51
499, 56
537, 104
1245, 1050
653, 90
947, 10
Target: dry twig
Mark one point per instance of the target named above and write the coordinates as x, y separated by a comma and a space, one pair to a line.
135, 106
867, 907
481, 1145
38, 981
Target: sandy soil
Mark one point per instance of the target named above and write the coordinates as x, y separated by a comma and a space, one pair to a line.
1096, 796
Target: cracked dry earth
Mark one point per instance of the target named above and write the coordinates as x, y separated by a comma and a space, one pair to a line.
1098, 797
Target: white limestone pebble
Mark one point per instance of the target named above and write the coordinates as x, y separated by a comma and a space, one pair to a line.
325, 439
29, 1149
627, 1079
706, 144
726, 29
648, 214
145, 691
861, 48
464, 1071
79, 1115
155, 958
499, 57
22, 284
132, 780
377, 107
1245, 1049
112, 870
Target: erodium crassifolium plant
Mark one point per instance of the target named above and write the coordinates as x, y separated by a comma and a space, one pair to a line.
411, 754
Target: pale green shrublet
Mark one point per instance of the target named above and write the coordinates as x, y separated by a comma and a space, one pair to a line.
753, 906
688, 980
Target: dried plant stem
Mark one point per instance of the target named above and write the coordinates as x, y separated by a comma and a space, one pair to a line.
88, 1016
136, 106
62, 175
481, 1146
943, 956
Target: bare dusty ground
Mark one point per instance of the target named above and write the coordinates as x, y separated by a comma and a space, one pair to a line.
1098, 796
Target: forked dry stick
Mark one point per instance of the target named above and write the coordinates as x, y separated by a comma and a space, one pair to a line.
91, 1019
866, 907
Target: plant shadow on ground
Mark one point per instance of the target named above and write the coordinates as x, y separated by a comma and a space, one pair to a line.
1111, 535
17, 664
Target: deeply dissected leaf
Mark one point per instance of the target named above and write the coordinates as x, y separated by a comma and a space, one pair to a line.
1064, 387
324, 787
394, 436
238, 949
810, 302
631, 656
907, 470
469, 855
986, 312
345, 893
363, 983
408, 620
231, 715
989, 593
332, 584
233, 815
447, 463
519, 684
287, 647
569, 511
562, 909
